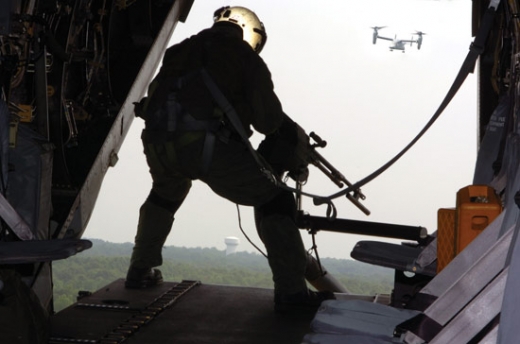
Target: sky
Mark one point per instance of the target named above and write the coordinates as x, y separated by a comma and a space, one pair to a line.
367, 102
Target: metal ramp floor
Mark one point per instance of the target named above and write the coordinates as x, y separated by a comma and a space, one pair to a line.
181, 313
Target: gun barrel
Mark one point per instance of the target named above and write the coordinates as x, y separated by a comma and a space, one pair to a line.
336, 176
387, 230
329, 174
358, 204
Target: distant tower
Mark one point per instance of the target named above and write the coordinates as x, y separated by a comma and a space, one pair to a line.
231, 245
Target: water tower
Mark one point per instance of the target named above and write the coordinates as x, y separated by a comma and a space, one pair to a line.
231, 245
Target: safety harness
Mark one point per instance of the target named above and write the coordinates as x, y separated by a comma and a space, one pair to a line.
171, 119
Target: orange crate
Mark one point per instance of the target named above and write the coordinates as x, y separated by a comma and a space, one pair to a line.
477, 207
445, 237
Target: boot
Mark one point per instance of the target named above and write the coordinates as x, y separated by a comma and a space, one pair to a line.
143, 278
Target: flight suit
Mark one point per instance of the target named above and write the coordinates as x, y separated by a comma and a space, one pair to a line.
178, 156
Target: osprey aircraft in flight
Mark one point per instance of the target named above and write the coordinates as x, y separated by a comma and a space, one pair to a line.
398, 44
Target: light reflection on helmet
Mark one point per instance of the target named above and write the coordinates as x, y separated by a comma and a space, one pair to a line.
252, 27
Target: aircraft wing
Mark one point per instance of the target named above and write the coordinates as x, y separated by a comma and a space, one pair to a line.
408, 41
385, 38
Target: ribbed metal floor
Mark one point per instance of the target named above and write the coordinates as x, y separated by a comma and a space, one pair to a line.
181, 313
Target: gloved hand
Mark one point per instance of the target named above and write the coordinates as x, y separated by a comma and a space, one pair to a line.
300, 174
285, 150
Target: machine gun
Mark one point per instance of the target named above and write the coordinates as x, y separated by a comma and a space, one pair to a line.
306, 154
316, 159
290, 150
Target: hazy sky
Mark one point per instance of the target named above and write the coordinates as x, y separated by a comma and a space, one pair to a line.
366, 101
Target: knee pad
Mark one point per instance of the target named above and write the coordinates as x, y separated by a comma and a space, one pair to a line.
171, 206
282, 204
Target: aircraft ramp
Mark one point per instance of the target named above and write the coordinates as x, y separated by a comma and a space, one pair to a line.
185, 312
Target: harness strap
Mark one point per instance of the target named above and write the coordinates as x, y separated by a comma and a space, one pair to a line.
230, 111
232, 115
175, 119
185, 122
207, 152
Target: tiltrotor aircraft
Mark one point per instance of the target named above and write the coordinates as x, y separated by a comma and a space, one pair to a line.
398, 44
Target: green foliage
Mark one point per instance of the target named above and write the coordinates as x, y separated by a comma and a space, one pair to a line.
106, 262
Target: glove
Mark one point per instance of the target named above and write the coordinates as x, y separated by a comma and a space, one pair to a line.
301, 174
285, 150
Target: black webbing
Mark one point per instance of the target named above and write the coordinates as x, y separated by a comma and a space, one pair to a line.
230, 111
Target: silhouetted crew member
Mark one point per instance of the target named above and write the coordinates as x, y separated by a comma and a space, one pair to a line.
187, 136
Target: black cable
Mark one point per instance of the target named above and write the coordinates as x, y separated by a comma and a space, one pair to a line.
313, 248
244, 233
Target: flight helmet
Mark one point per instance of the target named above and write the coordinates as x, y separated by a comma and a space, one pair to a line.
252, 28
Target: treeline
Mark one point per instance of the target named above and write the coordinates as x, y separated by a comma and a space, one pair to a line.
106, 262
